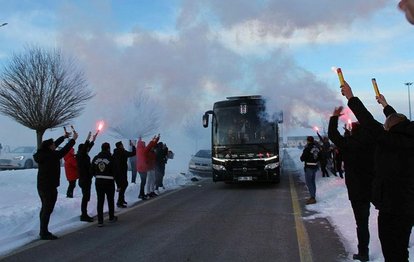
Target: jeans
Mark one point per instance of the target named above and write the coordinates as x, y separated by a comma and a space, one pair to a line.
86, 196
108, 190
48, 198
361, 214
71, 187
394, 232
310, 173
143, 176
150, 186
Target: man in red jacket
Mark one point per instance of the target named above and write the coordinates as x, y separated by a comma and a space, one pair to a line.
143, 165
71, 171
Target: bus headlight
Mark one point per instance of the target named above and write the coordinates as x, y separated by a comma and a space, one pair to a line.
272, 165
219, 167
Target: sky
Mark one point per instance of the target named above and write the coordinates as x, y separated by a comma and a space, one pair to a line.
20, 205
187, 54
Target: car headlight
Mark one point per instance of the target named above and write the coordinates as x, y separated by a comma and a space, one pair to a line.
19, 158
272, 165
192, 165
219, 167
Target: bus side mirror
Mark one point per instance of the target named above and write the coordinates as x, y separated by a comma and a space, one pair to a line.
280, 118
205, 120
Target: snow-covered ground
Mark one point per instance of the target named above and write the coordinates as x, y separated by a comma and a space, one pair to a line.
20, 205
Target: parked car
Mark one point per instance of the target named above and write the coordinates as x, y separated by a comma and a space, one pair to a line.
200, 163
19, 158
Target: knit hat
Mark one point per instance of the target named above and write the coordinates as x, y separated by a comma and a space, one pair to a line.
393, 120
118, 144
47, 143
105, 146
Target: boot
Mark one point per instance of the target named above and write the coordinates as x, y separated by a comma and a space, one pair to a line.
86, 218
311, 201
361, 257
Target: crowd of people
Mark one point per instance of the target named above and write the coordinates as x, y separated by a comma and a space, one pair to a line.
109, 170
378, 161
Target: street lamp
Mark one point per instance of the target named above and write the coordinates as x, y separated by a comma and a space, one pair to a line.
3, 24
408, 84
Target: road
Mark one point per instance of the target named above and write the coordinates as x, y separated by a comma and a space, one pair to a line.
205, 221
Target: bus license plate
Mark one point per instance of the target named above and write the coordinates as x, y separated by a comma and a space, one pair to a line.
245, 178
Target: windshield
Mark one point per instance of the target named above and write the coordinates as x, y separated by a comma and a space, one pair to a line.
203, 154
242, 124
23, 149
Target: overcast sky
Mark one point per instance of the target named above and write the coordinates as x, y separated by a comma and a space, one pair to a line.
188, 54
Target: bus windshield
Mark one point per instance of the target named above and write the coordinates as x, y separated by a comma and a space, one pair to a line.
232, 125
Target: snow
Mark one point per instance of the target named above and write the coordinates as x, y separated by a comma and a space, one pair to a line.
20, 205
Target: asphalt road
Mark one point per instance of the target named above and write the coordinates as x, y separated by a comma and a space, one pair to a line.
205, 221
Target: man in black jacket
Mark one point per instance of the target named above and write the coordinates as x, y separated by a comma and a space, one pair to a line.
104, 182
85, 175
120, 157
48, 178
311, 156
358, 155
393, 187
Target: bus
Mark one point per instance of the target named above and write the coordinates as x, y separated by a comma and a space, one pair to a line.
244, 140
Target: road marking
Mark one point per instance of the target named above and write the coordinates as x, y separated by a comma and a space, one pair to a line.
305, 251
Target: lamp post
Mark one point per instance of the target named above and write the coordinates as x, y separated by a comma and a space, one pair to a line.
408, 84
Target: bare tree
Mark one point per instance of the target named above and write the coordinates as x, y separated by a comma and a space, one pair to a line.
140, 118
42, 89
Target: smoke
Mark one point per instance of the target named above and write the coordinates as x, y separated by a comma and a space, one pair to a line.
279, 17
191, 66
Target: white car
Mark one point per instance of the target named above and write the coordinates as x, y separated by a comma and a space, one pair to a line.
19, 158
200, 163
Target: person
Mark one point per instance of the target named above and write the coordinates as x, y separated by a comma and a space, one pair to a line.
358, 155
151, 161
311, 156
71, 171
143, 152
48, 178
407, 6
104, 183
161, 153
133, 164
337, 161
393, 186
120, 165
85, 175
325, 154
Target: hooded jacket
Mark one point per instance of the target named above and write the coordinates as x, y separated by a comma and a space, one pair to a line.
120, 161
311, 155
48, 174
84, 164
71, 167
102, 168
358, 156
393, 188
145, 159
